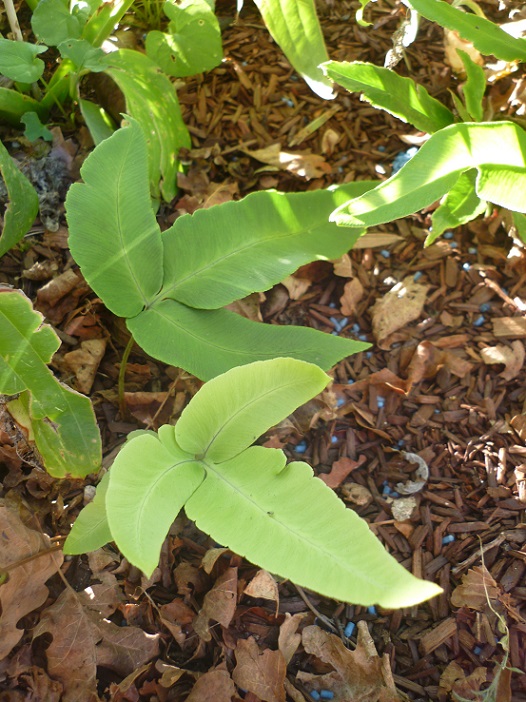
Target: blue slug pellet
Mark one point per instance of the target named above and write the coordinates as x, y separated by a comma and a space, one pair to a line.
315, 695
417, 276
485, 307
448, 235
477, 650
355, 328
371, 610
334, 439
349, 629
326, 695
448, 539
466, 266
479, 321
340, 402
380, 402
301, 447
385, 253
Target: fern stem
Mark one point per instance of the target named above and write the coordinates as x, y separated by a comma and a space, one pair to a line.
122, 375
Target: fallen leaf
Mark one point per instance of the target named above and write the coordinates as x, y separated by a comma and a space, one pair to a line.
84, 362
296, 286
103, 595
477, 586
219, 604
24, 590
402, 509
247, 307
452, 42
214, 686
343, 267
359, 675
398, 307
454, 680
71, 655
357, 494
329, 140
150, 408
260, 672
340, 470
301, 163
511, 357
289, 639
123, 648
175, 615
372, 240
263, 585
352, 294
409, 487
425, 363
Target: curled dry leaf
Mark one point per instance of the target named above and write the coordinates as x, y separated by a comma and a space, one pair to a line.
84, 362
511, 357
260, 672
409, 487
340, 470
24, 589
454, 680
289, 639
452, 42
352, 294
477, 587
301, 163
358, 675
343, 267
357, 494
263, 585
296, 286
397, 308
219, 604
403, 508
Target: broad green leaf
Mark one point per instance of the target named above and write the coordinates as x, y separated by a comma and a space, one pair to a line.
90, 530
53, 23
209, 342
397, 95
34, 129
13, 105
474, 87
290, 523
113, 233
102, 23
223, 253
231, 411
22, 207
62, 420
485, 36
294, 26
18, 60
497, 150
192, 42
83, 55
519, 220
97, 120
151, 99
149, 485
459, 206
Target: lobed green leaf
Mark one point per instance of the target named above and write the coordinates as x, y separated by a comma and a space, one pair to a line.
53, 23
397, 95
209, 342
18, 60
231, 411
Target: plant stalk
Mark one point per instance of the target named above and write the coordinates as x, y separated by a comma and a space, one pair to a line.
13, 20
122, 375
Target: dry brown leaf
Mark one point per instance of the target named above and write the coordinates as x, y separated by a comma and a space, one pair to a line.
425, 363
24, 589
352, 294
301, 163
248, 307
146, 407
174, 616
397, 308
210, 558
219, 604
357, 494
454, 680
343, 266
371, 240
296, 286
340, 470
477, 586
263, 585
452, 42
511, 357
123, 649
360, 675
214, 686
260, 672
71, 655
289, 639
84, 362
103, 596
329, 140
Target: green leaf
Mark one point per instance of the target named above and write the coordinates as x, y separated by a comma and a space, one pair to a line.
295, 27
62, 420
98, 121
359, 13
386, 90
53, 23
149, 484
18, 60
459, 206
83, 55
90, 530
113, 233
290, 523
22, 207
209, 342
474, 87
151, 99
485, 36
192, 43
519, 221
34, 128
102, 23
497, 150
278, 231
231, 411
13, 105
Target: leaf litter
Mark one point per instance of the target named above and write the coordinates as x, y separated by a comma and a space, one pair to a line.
430, 384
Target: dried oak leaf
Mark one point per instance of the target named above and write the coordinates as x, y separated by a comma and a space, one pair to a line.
24, 590
478, 585
454, 680
219, 604
265, 586
359, 675
260, 672
214, 686
84, 362
340, 470
352, 294
289, 639
511, 357
397, 308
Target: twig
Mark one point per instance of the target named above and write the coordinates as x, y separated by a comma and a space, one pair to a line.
13, 20
313, 609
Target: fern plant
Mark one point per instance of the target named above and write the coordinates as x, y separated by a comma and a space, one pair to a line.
171, 286
279, 516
